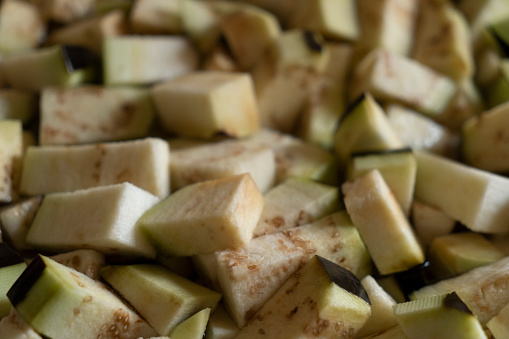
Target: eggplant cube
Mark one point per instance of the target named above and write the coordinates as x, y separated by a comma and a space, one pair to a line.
381, 221
162, 297
205, 217
143, 60
201, 104
100, 218
61, 168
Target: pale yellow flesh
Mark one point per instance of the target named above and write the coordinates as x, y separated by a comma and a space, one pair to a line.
101, 218
205, 217
381, 221
68, 168
162, 297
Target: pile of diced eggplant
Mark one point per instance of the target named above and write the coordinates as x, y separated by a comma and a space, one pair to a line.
285, 169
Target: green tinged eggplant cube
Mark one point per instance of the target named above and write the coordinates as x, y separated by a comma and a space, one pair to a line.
162, 297
439, 316
59, 302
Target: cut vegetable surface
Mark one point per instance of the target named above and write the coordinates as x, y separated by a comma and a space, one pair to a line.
298, 129
205, 217
163, 298
60, 302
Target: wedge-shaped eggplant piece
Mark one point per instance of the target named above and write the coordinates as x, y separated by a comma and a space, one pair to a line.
485, 143
11, 146
162, 297
17, 104
296, 202
100, 218
143, 60
88, 262
398, 168
481, 289
321, 299
249, 276
91, 114
364, 128
202, 104
221, 324
248, 33
443, 40
15, 221
283, 78
11, 267
296, 158
335, 238
59, 302
430, 222
391, 77
381, 221
86, 166
439, 316
422, 133
91, 32
457, 253
50, 66
382, 314
205, 217
14, 326
334, 19
221, 160
193, 327
22, 26
388, 24
156, 17
498, 325
476, 198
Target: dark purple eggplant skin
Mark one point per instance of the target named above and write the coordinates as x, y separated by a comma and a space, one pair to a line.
344, 279
8, 256
312, 42
26, 281
382, 152
350, 109
504, 45
77, 57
